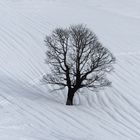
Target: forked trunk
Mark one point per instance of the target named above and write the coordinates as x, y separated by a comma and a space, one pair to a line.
70, 97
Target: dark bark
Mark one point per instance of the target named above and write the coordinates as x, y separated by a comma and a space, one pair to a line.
70, 97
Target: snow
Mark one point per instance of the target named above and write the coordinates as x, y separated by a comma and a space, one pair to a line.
29, 110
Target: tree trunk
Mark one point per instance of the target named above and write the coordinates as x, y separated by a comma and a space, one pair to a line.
70, 97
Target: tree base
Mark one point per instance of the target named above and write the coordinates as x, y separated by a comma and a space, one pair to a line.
69, 102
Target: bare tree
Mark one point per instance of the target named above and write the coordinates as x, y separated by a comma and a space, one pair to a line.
77, 60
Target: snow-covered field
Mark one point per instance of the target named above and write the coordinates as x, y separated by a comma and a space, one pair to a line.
29, 111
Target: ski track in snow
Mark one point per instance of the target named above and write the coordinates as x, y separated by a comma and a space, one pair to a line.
28, 111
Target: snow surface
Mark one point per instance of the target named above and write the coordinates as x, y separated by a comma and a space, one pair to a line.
29, 111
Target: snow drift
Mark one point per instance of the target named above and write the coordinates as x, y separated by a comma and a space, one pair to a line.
29, 111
